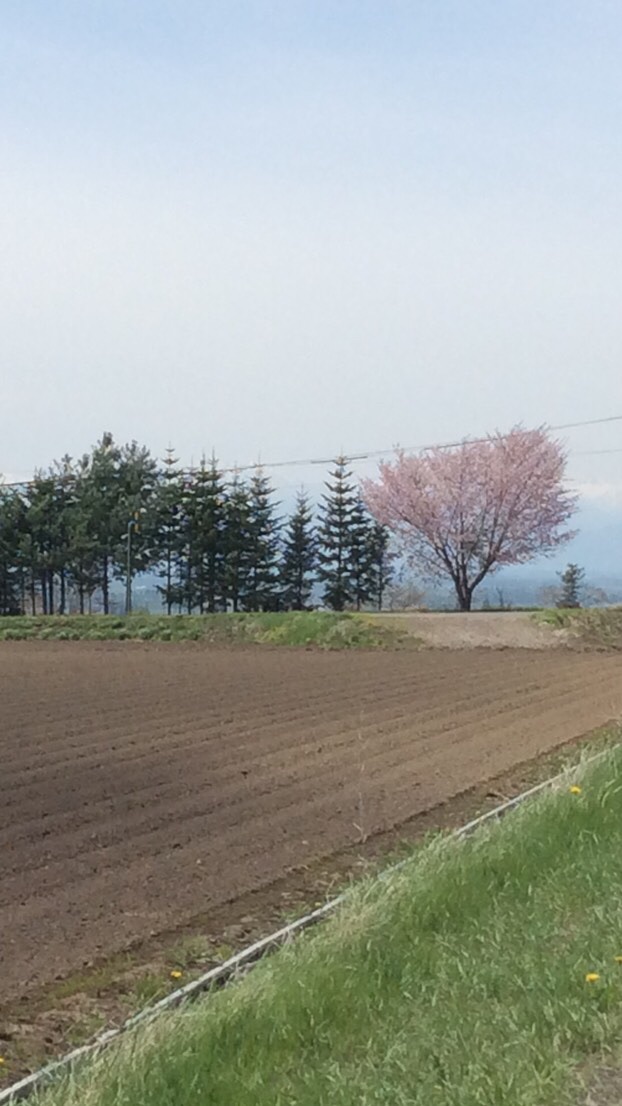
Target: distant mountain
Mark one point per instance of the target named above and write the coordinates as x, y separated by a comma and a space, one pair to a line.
598, 545
597, 548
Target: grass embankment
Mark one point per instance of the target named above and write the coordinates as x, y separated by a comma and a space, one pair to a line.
595, 627
464, 979
319, 629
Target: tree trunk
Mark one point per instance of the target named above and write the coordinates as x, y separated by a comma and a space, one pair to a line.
189, 580
464, 593
44, 591
464, 599
105, 585
169, 582
63, 592
464, 588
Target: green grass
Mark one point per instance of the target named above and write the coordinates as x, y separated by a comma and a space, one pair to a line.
311, 629
457, 981
597, 627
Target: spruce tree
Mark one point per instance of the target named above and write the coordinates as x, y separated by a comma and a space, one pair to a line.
83, 560
361, 554
208, 551
64, 507
236, 542
73, 527
12, 569
167, 531
335, 535
381, 562
40, 522
186, 595
573, 582
47, 535
261, 589
299, 556
137, 479
117, 485
100, 502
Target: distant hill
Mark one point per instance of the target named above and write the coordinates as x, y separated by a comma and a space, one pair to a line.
597, 548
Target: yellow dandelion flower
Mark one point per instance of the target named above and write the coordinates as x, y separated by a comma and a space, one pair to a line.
2, 1060
176, 975
574, 790
618, 959
592, 977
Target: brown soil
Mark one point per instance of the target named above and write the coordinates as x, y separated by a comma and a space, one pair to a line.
148, 786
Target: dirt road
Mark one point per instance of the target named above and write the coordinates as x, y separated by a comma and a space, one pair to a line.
476, 630
143, 784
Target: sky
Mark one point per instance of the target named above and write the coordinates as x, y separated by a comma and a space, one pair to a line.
286, 230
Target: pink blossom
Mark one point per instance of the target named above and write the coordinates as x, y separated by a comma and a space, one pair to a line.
465, 512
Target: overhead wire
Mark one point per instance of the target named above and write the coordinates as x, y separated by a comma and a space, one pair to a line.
372, 454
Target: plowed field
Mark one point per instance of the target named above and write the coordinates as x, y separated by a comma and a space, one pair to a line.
143, 784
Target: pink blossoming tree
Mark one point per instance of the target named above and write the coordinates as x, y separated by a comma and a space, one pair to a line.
462, 513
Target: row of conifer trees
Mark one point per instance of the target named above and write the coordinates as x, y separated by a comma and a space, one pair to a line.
215, 540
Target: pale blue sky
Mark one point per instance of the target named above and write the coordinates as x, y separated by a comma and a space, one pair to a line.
286, 229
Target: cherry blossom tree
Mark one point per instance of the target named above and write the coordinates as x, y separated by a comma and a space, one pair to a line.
462, 513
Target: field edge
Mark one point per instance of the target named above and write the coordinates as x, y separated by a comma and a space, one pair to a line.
36, 1030
361, 930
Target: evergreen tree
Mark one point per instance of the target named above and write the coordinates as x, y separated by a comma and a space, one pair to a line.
83, 567
167, 531
299, 556
361, 552
117, 486
46, 545
381, 562
206, 509
137, 482
12, 577
335, 534
69, 528
65, 505
99, 488
40, 523
46, 536
186, 594
263, 546
236, 542
573, 582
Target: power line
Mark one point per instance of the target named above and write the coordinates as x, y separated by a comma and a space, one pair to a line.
587, 422
371, 454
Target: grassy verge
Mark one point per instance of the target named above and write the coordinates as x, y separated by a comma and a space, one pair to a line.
463, 979
319, 629
595, 627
